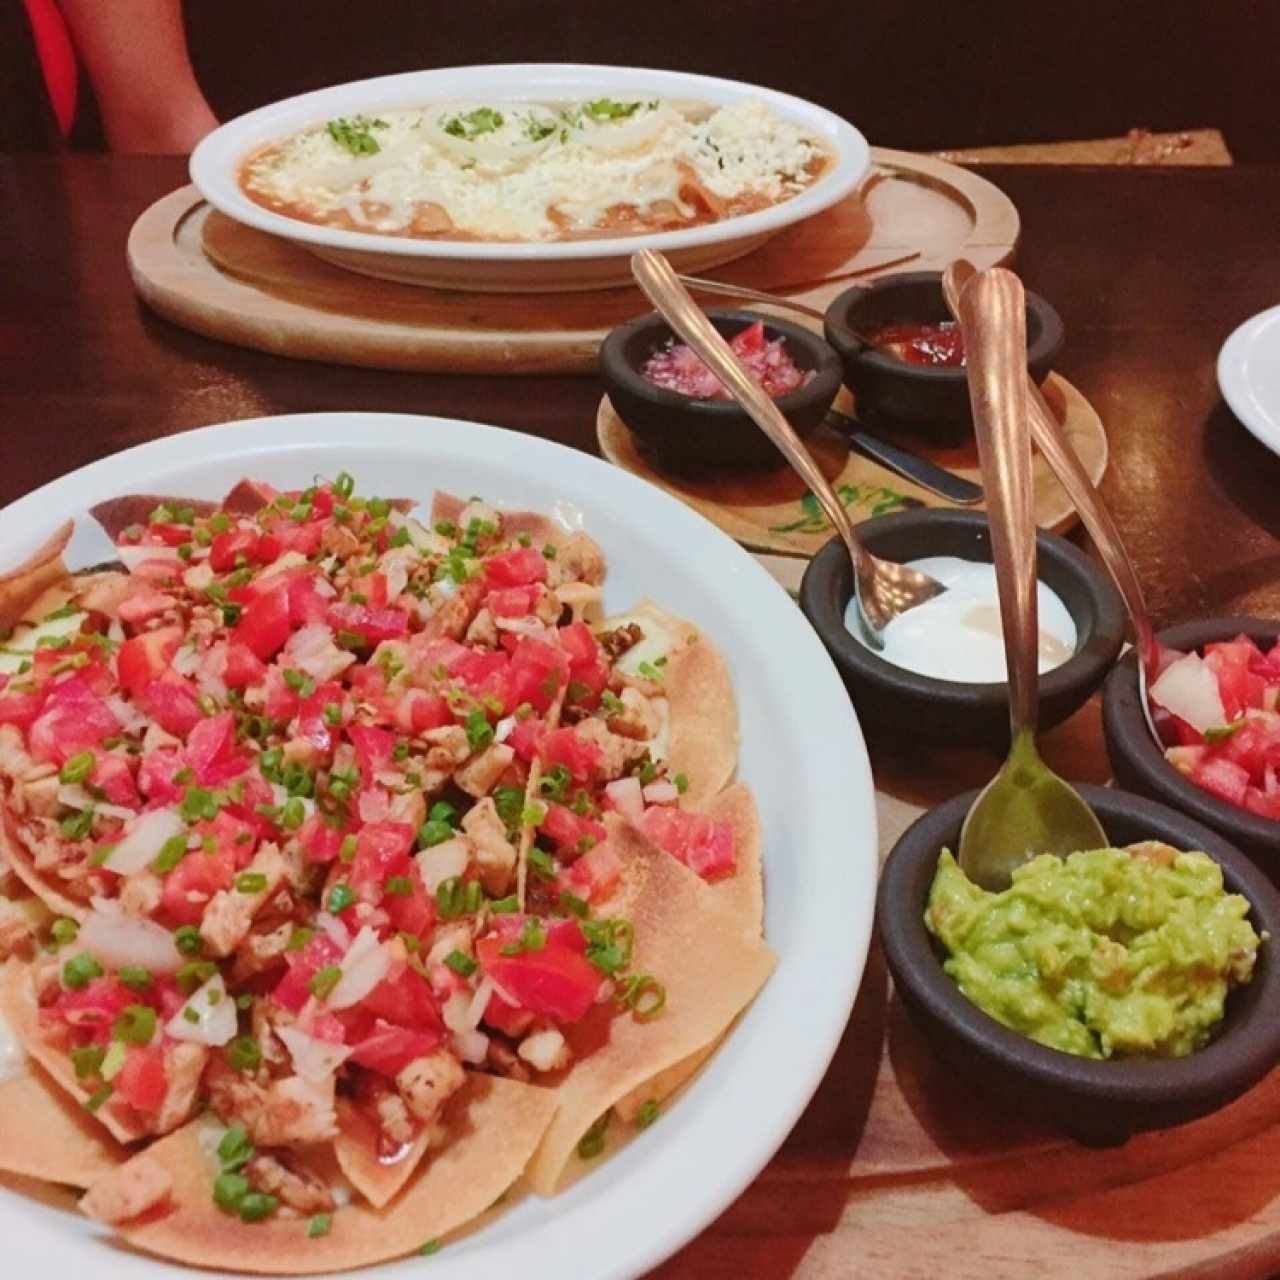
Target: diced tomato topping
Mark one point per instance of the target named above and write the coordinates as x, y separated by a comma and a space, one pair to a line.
375, 625
367, 682
172, 703
281, 699
113, 777
234, 549
388, 1050
416, 711
306, 604
243, 667
160, 569
578, 642
20, 708
515, 568
513, 602
264, 625
143, 605
373, 749
142, 1081
287, 535
478, 667
156, 774
703, 844
595, 875
414, 912
510, 1019
582, 757
373, 586
572, 833
292, 991
537, 673
382, 850
405, 1000
319, 841
73, 719
441, 653
313, 721
193, 882
96, 1005
1238, 687
555, 981
211, 750
1224, 778
526, 736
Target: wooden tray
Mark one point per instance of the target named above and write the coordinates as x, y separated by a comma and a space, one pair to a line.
772, 511
207, 273
899, 1171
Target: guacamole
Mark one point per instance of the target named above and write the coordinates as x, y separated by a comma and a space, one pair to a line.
1106, 952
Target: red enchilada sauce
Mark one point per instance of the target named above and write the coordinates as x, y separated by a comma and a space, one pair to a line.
677, 368
934, 344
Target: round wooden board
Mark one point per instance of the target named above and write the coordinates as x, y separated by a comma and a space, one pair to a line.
208, 273
772, 511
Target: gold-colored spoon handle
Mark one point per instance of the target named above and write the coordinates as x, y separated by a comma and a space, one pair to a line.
993, 319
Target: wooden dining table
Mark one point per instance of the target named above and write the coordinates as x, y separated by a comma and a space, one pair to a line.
894, 1169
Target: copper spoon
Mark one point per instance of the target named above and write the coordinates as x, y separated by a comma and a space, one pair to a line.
1052, 442
883, 589
1026, 809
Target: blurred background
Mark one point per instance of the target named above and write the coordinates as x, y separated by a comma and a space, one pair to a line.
915, 74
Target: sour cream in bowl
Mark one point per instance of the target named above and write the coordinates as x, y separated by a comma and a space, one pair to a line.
941, 677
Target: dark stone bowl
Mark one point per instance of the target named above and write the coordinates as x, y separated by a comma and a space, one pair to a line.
935, 397
948, 711
682, 431
1096, 1102
1139, 765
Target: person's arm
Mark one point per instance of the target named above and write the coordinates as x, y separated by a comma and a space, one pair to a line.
135, 52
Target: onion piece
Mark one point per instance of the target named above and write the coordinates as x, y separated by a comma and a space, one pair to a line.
442, 862
1189, 689
661, 792
627, 797
502, 730
333, 928
76, 797
543, 1050
142, 840
363, 967
131, 719
117, 939
132, 556
455, 1013
479, 1002
312, 649
313, 1059
214, 1020
471, 1046
186, 661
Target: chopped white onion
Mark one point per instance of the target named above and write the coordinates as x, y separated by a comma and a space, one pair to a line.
543, 1050
313, 1059
208, 1017
131, 719
313, 650
443, 861
333, 928
198, 576
75, 797
627, 797
117, 939
373, 805
445, 588
455, 1012
506, 995
423, 538
502, 730
132, 556
479, 1002
522, 626
471, 1046
186, 661
142, 840
288, 560
1189, 689
395, 565
661, 792
325, 588
363, 967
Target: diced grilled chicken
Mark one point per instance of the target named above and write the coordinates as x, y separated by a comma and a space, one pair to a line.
426, 1084
616, 751
495, 855
294, 1187
281, 1113
480, 775
448, 746
183, 1066
229, 915
136, 1186
140, 893
482, 630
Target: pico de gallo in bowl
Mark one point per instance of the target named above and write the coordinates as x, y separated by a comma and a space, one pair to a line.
350, 864
1216, 702
679, 410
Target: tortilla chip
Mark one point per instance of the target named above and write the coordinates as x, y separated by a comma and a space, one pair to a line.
540, 529
356, 1149
46, 1135
742, 894
18, 1004
115, 515
492, 1135
20, 587
15, 854
711, 970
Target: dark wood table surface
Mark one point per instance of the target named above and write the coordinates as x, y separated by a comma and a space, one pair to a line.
1150, 269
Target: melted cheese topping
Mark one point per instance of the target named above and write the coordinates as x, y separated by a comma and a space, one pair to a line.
536, 171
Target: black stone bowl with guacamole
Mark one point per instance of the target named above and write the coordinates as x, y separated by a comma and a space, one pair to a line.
1096, 1101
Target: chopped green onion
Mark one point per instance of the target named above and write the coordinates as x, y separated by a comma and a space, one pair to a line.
340, 898
347, 849
299, 938
433, 832
591, 1143
98, 1097
188, 940
294, 814
645, 996
64, 931
549, 551
229, 1190
76, 826
443, 811
542, 863
399, 886
324, 981
344, 486
199, 802
135, 1024
193, 974
573, 905
479, 730
647, 1114
251, 882
461, 963
333, 713
135, 977
235, 1149
171, 853
505, 906
431, 1246
78, 768
472, 897
244, 1054
79, 971
319, 1225
450, 897
87, 1060
682, 783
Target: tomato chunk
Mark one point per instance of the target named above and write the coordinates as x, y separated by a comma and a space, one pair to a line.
518, 567
73, 719
389, 1049
703, 844
555, 981
264, 625
142, 1081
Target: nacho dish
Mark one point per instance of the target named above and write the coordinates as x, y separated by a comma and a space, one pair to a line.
356, 869
530, 171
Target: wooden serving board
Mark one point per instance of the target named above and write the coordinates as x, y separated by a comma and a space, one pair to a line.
205, 272
772, 510
899, 1171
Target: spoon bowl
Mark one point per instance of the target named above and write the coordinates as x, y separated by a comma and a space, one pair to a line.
884, 589
1026, 809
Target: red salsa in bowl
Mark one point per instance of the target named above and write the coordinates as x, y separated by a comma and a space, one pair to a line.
938, 343
675, 367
